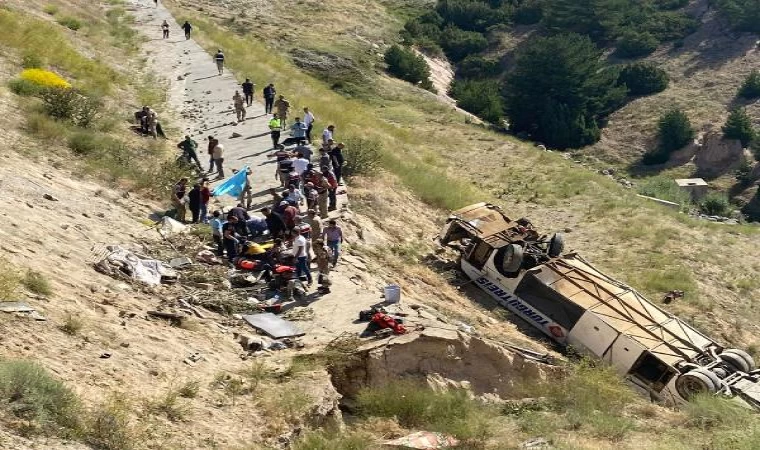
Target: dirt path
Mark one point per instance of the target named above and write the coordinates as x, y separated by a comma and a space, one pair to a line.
201, 100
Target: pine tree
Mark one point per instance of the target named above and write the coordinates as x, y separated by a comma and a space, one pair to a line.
559, 88
751, 87
739, 126
675, 131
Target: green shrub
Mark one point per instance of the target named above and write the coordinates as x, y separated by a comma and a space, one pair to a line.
458, 43
30, 393
707, 412
325, 440
25, 88
671, 4
471, 15
664, 188
478, 67
37, 283
10, 279
559, 88
89, 143
750, 88
715, 204
189, 389
71, 105
480, 97
108, 425
739, 126
407, 65
50, 10
31, 61
643, 79
675, 131
72, 23
528, 13
743, 15
72, 324
633, 44
416, 406
46, 128
169, 405
362, 157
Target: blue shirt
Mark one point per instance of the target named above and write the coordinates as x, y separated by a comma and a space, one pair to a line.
256, 224
299, 130
216, 226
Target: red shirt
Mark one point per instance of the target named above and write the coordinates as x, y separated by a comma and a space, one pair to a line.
205, 194
289, 216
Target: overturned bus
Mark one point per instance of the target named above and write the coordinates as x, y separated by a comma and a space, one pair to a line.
577, 305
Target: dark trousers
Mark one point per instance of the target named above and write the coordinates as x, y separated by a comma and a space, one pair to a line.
332, 199
187, 35
338, 171
219, 245
308, 132
192, 156
166, 34
195, 210
231, 247
268, 103
302, 268
275, 138
249, 98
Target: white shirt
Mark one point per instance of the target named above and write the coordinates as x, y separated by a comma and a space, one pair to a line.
299, 165
295, 196
326, 135
218, 151
299, 246
308, 118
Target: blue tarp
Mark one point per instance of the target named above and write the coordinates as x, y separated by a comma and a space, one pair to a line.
232, 186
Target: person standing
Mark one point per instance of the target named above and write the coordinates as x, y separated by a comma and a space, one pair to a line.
219, 57
333, 236
178, 198
156, 2
299, 166
194, 200
308, 120
323, 192
298, 131
283, 109
315, 224
275, 127
212, 142
151, 119
336, 156
269, 94
302, 260
218, 156
230, 237
188, 28
205, 198
247, 192
295, 197
327, 134
332, 191
289, 213
165, 29
189, 151
248, 91
322, 258
239, 103
216, 232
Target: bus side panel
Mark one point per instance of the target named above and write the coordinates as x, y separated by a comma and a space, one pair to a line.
591, 334
623, 354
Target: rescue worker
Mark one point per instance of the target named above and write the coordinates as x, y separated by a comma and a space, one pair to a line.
283, 108
275, 125
239, 102
189, 151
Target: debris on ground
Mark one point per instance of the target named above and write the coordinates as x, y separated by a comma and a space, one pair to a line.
424, 440
272, 325
119, 262
535, 443
299, 313
22, 309
672, 295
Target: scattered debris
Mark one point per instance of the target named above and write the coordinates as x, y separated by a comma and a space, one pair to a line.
273, 326
193, 358
180, 263
22, 309
105, 355
424, 440
235, 135
672, 295
175, 319
207, 257
49, 197
169, 226
299, 313
148, 271
535, 443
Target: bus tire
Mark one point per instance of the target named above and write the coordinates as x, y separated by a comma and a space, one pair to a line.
697, 381
739, 359
513, 258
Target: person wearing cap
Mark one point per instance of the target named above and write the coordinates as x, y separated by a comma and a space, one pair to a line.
275, 225
314, 223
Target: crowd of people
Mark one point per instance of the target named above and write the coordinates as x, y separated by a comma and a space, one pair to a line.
295, 229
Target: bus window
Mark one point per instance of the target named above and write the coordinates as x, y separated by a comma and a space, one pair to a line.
652, 371
479, 254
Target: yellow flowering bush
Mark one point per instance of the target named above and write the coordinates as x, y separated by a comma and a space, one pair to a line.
44, 78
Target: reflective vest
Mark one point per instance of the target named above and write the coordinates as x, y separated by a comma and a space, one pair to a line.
274, 124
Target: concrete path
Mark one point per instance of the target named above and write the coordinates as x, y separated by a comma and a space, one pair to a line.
201, 102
